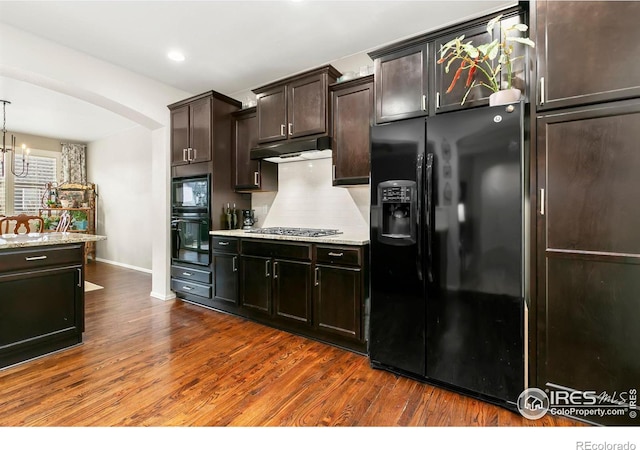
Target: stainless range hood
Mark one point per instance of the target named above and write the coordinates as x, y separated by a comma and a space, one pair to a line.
298, 150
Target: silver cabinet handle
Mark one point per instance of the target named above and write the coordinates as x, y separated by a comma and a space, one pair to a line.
256, 180
290, 129
336, 254
195, 154
187, 288
275, 270
437, 100
188, 153
333, 175
234, 263
187, 274
542, 90
424, 102
223, 242
35, 258
80, 284
282, 129
266, 269
316, 272
542, 201
184, 154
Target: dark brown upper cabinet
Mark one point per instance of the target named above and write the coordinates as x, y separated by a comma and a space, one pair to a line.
248, 174
587, 52
478, 96
352, 115
401, 82
192, 128
296, 106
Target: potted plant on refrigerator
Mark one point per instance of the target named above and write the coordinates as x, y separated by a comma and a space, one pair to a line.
489, 65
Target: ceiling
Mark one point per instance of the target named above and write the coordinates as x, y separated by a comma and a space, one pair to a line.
230, 46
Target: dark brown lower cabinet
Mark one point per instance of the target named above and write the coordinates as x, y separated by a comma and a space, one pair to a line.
589, 253
256, 284
317, 291
41, 301
292, 290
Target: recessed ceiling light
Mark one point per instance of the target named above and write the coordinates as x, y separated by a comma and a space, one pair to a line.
175, 55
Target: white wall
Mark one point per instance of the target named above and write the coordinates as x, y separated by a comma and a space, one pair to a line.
140, 99
120, 167
306, 198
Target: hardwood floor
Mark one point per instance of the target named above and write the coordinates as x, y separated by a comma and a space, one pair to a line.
146, 362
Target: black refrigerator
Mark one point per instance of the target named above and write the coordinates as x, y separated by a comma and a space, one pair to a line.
447, 232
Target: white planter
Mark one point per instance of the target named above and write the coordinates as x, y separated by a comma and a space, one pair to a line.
505, 97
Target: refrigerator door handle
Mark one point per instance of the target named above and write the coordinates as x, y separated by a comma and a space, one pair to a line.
428, 212
418, 219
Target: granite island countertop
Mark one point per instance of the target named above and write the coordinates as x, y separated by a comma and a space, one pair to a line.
347, 238
40, 239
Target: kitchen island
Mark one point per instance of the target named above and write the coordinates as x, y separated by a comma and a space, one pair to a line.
41, 293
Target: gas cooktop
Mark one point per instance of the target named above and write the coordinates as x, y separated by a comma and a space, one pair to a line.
303, 232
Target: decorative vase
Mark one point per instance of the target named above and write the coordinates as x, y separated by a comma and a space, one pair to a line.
504, 97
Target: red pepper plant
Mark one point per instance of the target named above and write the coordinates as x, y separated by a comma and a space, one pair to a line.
481, 60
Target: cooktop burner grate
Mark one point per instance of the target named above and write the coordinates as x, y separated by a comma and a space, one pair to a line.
302, 232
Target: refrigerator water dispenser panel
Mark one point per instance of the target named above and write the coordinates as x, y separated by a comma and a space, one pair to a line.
398, 199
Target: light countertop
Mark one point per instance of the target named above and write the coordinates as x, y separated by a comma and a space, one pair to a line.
40, 239
348, 238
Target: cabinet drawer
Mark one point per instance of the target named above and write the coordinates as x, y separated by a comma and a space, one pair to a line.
35, 257
351, 256
187, 287
224, 244
187, 273
276, 250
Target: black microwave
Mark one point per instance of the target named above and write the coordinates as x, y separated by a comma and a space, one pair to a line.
191, 194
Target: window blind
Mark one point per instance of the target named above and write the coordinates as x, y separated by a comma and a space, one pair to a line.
28, 191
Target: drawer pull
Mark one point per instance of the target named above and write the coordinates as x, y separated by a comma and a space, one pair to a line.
316, 280
235, 263
275, 270
223, 242
266, 269
336, 254
80, 283
186, 288
35, 258
187, 274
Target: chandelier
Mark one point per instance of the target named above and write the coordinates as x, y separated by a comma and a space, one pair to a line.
11, 147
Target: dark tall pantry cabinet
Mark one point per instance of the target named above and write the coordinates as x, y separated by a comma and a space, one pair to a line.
588, 181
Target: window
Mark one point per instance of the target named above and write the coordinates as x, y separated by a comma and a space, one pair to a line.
23, 195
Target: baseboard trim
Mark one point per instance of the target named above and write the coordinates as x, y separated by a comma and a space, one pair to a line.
162, 297
127, 266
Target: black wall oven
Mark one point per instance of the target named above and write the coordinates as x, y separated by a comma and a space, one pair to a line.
191, 220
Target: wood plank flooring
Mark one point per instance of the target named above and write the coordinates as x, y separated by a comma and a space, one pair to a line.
146, 362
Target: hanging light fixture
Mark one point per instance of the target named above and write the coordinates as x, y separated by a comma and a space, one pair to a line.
11, 147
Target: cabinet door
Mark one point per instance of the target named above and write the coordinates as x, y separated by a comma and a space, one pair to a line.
40, 311
225, 277
292, 290
478, 95
352, 117
588, 250
401, 84
338, 297
307, 106
179, 135
587, 51
200, 130
272, 114
246, 170
256, 283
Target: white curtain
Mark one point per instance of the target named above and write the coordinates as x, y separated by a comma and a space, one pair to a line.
74, 163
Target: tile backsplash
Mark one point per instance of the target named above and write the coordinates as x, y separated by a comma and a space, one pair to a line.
307, 199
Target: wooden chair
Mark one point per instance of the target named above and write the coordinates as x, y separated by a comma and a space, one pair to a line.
22, 222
